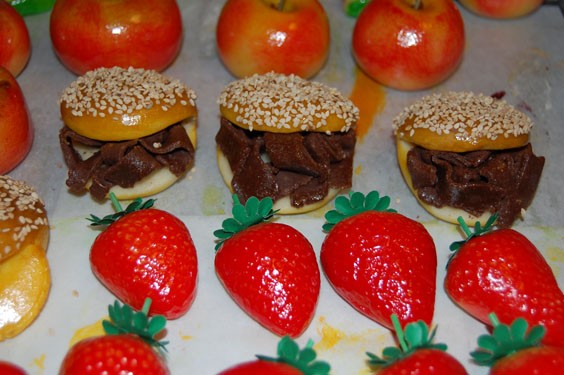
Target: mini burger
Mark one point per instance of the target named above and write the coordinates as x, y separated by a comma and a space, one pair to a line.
127, 131
286, 138
468, 155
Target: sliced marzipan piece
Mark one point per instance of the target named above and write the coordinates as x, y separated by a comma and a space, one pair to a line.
25, 280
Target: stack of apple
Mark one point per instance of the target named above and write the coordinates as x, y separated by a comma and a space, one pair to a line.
16, 132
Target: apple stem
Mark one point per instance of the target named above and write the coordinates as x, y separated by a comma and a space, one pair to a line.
417, 4
281, 4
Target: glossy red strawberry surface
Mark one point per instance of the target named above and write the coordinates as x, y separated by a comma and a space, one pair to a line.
260, 367
545, 360
382, 263
113, 355
148, 253
502, 272
8, 368
425, 361
271, 271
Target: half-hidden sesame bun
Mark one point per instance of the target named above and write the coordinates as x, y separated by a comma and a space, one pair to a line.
25, 277
23, 219
116, 104
461, 122
458, 122
279, 103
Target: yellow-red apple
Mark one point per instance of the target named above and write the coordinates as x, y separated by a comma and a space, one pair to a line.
16, 132
88, 34
259, 36
15, 46
409, 44
501, 9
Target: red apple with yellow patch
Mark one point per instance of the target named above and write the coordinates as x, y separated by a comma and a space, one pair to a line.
501, 9
16, 132
259, 36
409, 44
15, 46
89, 34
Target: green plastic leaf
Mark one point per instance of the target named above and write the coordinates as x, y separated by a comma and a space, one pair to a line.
124, 320
356, 203
255, 211
304, 360
506, 340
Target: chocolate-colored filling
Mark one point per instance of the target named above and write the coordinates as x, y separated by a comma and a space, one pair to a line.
126, 162
477, 182
301, 165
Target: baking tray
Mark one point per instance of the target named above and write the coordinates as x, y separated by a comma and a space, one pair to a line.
522, 58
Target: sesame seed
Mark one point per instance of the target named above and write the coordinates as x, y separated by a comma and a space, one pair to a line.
119, 90
466, 114
286, 101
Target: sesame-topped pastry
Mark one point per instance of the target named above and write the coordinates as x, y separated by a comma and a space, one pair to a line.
127, 131
286, 138
468, 155
25, 277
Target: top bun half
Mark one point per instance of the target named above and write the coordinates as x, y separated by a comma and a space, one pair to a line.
117, 104
280, 103
462, 122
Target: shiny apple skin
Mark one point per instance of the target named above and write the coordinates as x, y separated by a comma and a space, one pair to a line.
88, 34
501, 9
254, 37
16, 132
15, 45
409, 49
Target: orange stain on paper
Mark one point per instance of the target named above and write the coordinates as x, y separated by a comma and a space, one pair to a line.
91, 330
370, 98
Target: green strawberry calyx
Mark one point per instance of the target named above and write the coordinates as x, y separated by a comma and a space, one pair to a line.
126, 320
415, 336
254, 212
506, 340
136, 205
303, 359
478, 231
354, 204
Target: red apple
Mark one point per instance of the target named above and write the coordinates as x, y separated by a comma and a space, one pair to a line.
16, 133
259, 36
409, 44
501, 8
14, 39
88, 34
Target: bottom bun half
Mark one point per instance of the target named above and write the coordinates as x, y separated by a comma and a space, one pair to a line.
283, 205
445, 213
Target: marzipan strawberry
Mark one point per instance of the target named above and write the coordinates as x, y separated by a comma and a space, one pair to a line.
516, 350
290, 361
269, 269
501, 271
146, 252
130, 346
417, 354
379, 261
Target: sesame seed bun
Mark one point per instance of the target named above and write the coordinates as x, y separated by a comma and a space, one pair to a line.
462, 122
25, 277
23, 218
280, 103
458, 122
282, 205
116, 104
